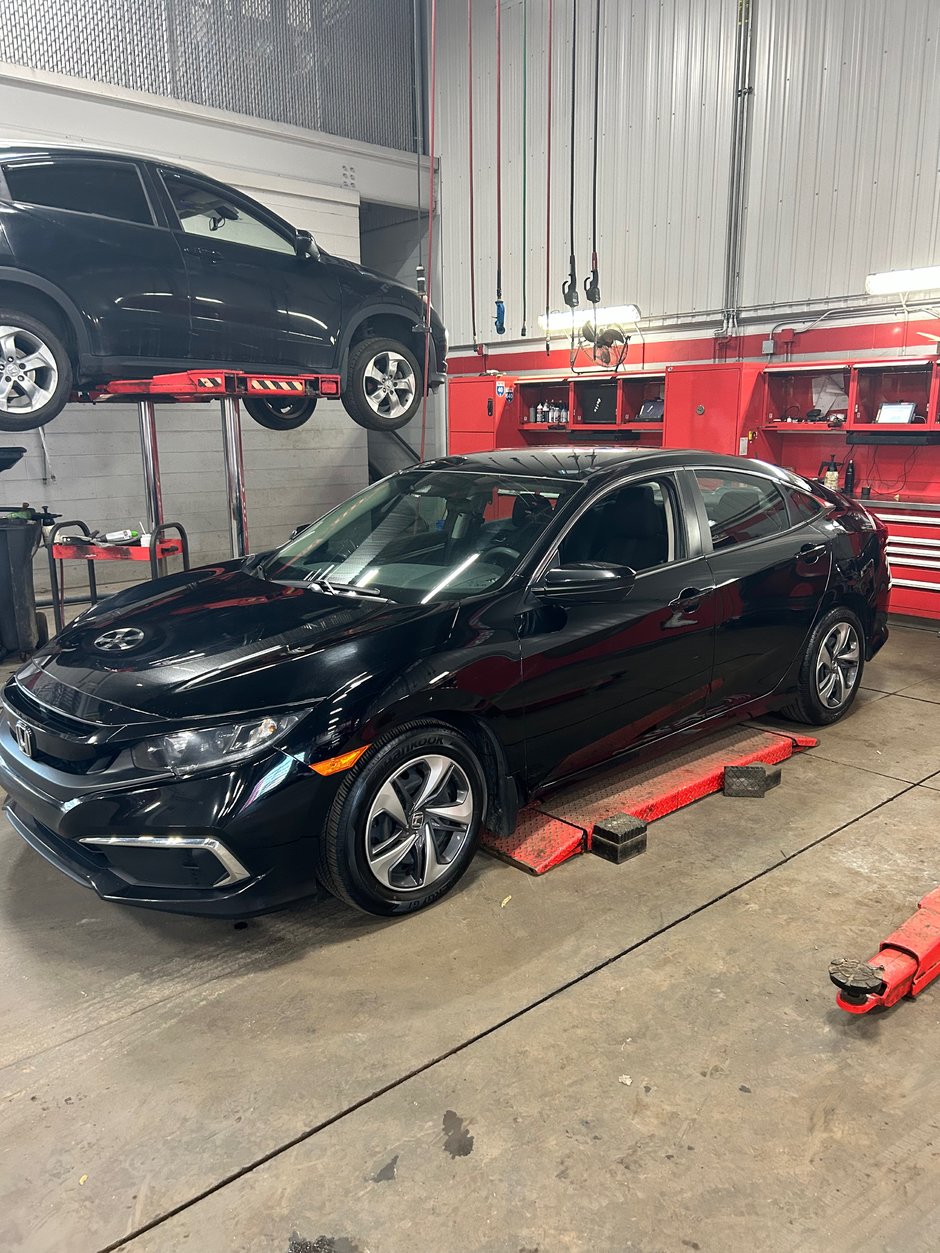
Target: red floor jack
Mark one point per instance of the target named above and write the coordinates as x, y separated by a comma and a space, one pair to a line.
905, 963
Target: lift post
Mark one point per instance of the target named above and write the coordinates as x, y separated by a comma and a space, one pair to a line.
235, 474
906, 962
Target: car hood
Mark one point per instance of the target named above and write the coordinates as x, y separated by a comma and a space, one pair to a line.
221, 641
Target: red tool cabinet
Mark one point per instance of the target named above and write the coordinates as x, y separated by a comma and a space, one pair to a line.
754, 409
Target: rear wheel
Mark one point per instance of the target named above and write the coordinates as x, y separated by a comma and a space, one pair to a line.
831, 670
35, 372
281, 413
383, 384
406, 821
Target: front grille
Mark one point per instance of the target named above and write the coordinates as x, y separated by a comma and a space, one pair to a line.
63, 743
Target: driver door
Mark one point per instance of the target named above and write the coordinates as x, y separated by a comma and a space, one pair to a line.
600, 677
243, 273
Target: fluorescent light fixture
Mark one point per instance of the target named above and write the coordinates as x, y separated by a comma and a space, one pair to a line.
565, 319
898, 282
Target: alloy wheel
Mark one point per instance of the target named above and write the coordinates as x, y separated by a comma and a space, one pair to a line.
389, 383
28, 371
837, 663
419, 822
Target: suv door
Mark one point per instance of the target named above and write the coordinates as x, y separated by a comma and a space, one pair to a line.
772, 566
598, 678
88, 225
250, 289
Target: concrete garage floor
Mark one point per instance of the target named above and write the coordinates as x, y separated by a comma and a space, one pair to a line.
645, 1057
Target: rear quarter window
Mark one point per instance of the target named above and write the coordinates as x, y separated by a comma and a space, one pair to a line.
110, 189
803, 506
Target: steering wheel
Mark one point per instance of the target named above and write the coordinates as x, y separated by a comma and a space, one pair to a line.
503, 556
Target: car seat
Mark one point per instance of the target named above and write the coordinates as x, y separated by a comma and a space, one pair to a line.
633, 530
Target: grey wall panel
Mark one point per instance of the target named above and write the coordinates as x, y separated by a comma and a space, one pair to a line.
665, 123
340, 66
846, 146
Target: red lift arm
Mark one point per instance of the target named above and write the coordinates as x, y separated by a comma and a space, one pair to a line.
905, 963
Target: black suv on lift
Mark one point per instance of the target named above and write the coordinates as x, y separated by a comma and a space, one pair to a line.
120, 267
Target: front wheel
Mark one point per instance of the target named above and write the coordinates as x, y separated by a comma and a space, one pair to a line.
384, 384
831, 670
406, 821
281, 413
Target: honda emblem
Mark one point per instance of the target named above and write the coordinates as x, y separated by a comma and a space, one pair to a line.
25, 739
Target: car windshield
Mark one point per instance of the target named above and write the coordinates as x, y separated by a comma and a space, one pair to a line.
424, 535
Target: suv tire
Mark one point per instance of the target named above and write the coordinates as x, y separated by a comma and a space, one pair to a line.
280, 413
33, 359
384, 384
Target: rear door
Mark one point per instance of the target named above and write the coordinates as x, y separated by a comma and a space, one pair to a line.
88, 225
772, 566
599, 678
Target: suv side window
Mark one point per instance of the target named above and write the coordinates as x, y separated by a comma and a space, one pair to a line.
109, 189
634, 526
203, 210
741, 507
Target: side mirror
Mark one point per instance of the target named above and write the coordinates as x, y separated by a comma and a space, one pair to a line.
305, 245
587, 581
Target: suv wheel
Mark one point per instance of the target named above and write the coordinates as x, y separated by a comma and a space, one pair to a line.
35, 372
406, 821
831, 670
281, 413
383, 385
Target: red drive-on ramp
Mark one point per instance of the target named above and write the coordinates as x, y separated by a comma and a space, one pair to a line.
561, 825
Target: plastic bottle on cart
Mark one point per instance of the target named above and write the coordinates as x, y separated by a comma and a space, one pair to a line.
849, 480
831, 476
539, 409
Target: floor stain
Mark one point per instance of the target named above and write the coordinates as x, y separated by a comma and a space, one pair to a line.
388, 1172
322, 1244
458, 1141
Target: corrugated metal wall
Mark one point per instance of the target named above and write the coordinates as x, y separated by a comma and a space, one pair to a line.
843, 161
846, 145
340, 66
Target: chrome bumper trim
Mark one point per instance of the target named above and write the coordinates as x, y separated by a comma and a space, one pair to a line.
235, 872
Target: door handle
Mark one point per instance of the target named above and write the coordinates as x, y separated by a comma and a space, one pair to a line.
810, 553
210, 254
690, 597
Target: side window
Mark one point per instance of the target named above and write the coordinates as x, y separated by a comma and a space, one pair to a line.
741, 507
204, 210
110, 189
635, 526
803, 506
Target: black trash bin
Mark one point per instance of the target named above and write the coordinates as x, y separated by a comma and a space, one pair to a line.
19, 627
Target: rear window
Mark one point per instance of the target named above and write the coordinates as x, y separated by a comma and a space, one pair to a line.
109, 189
741, 507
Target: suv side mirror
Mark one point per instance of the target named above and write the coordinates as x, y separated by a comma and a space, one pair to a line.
587, 581
305, 245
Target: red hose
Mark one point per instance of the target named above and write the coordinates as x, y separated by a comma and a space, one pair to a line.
548, 190
432, 92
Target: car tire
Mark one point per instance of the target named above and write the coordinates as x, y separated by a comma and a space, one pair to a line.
24, 338
831, 670
386, 865
281, 413
384, 384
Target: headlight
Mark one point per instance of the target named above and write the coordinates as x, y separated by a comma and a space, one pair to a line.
185, 752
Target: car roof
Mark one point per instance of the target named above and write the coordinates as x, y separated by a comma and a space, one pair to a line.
12, 150
584, 462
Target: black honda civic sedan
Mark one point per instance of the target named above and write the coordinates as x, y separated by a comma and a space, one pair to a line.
353, 708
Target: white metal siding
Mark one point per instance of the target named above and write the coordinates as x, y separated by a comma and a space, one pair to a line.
844, 154
846, 146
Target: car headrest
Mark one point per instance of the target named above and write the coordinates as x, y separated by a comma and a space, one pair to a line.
635, 514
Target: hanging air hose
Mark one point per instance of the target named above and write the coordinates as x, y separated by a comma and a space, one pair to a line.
500, 307
570, 286
525, 56
592, 284
473, 263
548, 187
432, 205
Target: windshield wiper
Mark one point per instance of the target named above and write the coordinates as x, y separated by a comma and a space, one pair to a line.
330, 585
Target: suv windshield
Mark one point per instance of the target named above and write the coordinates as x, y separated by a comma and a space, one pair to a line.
424, 535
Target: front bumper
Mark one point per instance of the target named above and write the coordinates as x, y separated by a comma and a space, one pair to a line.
231, 844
